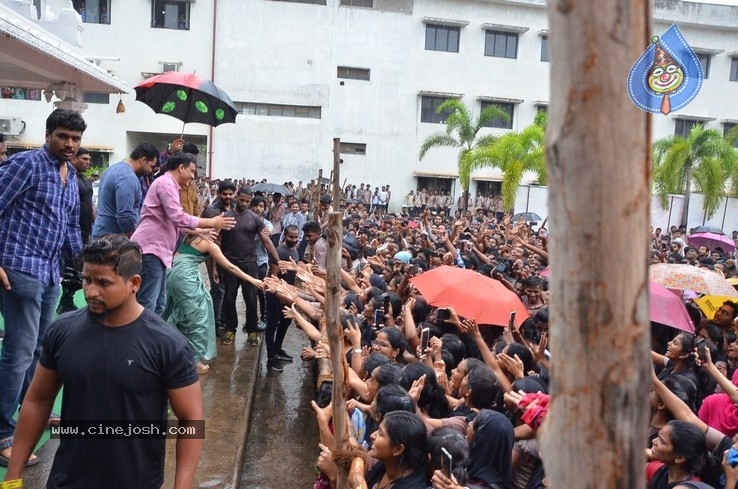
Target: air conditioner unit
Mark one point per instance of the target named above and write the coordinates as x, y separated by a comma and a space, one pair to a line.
12, 126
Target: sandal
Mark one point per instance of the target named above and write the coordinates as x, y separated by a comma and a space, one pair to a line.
4, 461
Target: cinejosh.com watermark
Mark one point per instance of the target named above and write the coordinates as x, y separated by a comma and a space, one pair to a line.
129, 429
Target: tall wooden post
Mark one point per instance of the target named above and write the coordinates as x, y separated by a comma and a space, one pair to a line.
336, 172
599, 170
334, 234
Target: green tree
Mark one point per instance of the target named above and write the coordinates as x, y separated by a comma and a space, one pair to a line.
704, 161
516, 153
462, 132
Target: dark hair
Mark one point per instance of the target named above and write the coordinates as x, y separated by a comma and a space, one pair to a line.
177, 159
688, 441
523, 354
290, 227
484, 388
67, 119
373, 361
408, 429
245, 191
734, 305
387, 374
453, 344
258, 199
455, 444
190, 148
226, 185
311, 227
82, 151
432, 398
490, 459
326, 199
391, 398
114, 250
396, 340
683, 388
144, 150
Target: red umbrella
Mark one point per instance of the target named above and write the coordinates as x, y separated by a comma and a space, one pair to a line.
666, 307
472, 295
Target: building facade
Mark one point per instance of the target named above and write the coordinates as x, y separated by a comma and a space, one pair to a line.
370, 72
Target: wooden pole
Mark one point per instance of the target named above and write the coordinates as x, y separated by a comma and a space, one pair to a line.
336, 172
598, 150
334, 234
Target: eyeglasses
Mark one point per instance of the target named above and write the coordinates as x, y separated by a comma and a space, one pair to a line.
724, 311
381, 344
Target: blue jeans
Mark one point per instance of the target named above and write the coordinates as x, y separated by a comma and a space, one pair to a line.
28, 309
153, 292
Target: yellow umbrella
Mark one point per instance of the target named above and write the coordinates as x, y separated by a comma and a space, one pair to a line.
711, 303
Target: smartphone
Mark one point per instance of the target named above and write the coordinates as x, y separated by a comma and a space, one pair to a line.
325, 393
424, 339
379, 316
500, 268
447, 462
386, 303
465, 236
443, 314
512, 317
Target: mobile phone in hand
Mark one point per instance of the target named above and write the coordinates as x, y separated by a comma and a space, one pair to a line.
447, 462
424, 339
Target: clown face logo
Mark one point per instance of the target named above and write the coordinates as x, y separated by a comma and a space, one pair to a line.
665, 78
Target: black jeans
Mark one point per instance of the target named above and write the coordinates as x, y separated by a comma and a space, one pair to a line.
231, 284
216, 293
262, 305
277, 325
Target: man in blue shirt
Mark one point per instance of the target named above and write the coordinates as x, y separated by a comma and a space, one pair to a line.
39, 215
120, 196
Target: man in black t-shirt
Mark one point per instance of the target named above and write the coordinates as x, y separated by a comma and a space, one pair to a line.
239, 246
119, 365
81, 163
277, 324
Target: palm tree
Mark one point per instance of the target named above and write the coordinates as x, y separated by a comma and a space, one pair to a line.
516, 153
461, 132
704, 160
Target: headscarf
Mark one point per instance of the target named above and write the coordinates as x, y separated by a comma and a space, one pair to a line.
490, 453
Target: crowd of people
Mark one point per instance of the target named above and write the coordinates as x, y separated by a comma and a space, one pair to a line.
435, 398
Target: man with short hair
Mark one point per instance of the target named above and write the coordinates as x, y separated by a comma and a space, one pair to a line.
222, 204
162, 221
39, 216
119, 196
81, 163
317, 249
188, 195
239, 246
120, 366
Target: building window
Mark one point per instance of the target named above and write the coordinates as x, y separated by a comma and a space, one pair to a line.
20, 93
442, 38
95, 98
705, 62
279, 110
541, 108
544, 48
313, 2
170, 14
734, 69
353, 148
499, 121
93, 11
428, 110
358, 3
682, 127
353, 73
501, 44
726, 129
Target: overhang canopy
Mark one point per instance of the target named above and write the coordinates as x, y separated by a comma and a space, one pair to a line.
32, 57
432, 174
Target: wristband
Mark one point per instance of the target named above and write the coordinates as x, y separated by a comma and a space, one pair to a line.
12, 484
356, 350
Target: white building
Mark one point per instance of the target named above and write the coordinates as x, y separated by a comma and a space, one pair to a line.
369, 72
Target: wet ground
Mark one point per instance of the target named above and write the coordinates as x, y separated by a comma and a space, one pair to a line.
282, 442
260, 429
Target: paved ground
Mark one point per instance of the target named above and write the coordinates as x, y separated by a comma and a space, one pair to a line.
281, 446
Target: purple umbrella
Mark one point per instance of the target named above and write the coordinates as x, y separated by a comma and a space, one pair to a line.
666, 307
712, 240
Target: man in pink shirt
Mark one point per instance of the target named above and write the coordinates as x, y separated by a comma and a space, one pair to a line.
162, 221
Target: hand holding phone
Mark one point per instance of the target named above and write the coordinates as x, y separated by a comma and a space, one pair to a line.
424, 339
447, 462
